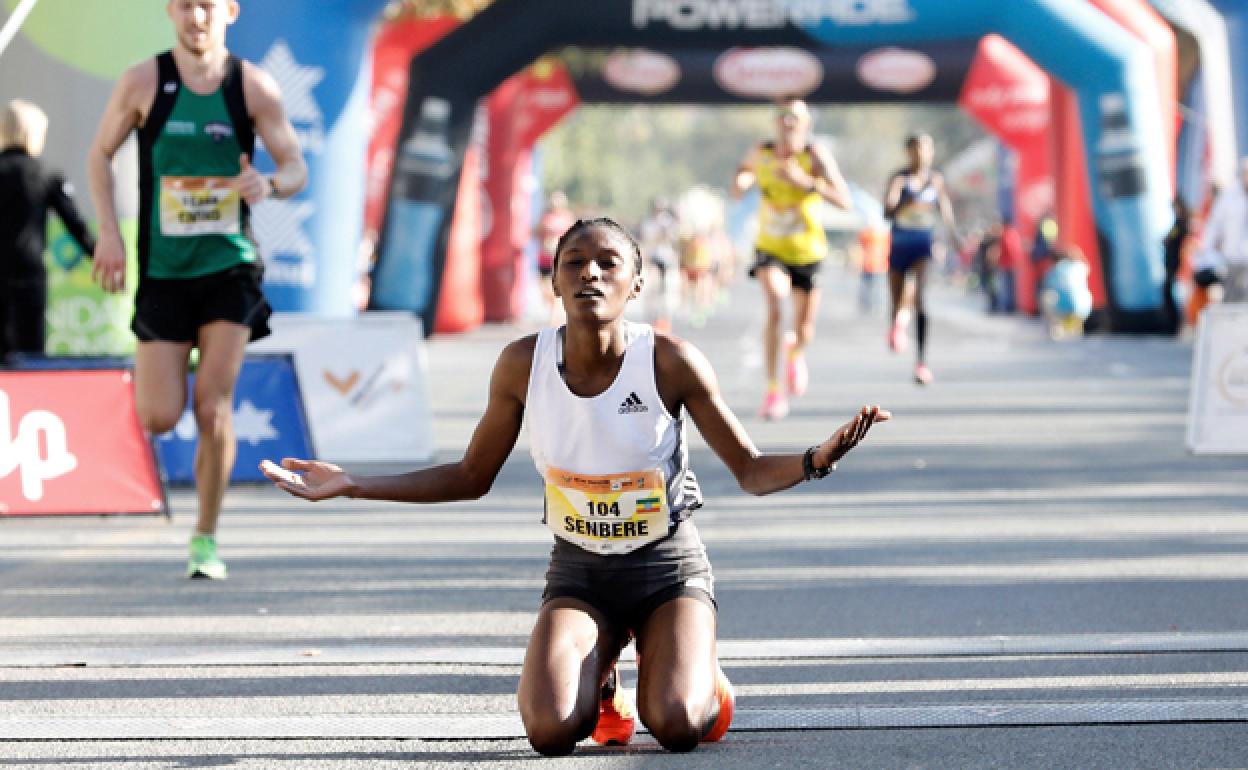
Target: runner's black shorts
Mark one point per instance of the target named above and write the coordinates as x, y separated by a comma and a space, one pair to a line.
628, 588
173, 309
802, 277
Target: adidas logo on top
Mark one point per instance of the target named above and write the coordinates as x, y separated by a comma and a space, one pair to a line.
633, 404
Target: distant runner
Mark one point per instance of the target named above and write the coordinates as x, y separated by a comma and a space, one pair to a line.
916, 202
794, 176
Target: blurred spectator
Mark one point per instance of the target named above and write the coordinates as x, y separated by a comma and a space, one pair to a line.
873, 241
554, 222
1064, 295
1042, 248
1009, 257
1226, 232
660, 245
984, 263
1177, 244
26, 193
1207, 267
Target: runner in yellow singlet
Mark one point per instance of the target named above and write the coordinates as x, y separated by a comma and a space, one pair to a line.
794, 176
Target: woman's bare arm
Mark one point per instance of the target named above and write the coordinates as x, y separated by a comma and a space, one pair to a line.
468, 479
687, 376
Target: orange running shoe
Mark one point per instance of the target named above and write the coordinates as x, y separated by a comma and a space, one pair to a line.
616, 721
727, 705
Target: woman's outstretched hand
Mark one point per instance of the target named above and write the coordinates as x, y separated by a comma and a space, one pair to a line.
849, 434
309, 479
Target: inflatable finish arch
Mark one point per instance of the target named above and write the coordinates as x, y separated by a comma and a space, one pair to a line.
1212, 121
1235, 15
1110, 70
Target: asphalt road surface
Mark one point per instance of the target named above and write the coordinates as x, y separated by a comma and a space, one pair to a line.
1024, 569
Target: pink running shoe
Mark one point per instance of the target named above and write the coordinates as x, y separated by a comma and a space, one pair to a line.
897, 341
923, 375
775, 406
798, 378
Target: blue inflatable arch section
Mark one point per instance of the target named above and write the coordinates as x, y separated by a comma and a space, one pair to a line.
1235, 12
1108, 68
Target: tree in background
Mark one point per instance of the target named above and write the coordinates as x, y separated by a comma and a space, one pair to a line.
616, 159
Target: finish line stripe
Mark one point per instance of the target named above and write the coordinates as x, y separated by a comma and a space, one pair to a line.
481, 726
729, 650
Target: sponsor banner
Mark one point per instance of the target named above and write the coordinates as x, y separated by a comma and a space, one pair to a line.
364, 383
1007, 94
899, 70
1217, 417
269, 423
392, 51
71, 443
82, 318
770, 73
307, 241
520, 110
641, 71
926, 71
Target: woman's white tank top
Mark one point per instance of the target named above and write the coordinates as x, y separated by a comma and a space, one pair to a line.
625, 429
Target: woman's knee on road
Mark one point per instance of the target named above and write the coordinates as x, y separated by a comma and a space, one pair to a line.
676, 720
554, 734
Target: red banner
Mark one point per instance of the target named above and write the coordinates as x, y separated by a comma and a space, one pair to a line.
521, 109
71, 443
1075, 224
1009, 96
396, 43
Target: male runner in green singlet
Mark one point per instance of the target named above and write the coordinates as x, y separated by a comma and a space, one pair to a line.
197, 110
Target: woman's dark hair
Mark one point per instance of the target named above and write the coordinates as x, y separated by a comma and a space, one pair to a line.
584, 224
913, 140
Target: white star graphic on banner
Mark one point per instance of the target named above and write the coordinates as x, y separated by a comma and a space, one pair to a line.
250, 424
185, 429
295, 81
253, 425
278, 226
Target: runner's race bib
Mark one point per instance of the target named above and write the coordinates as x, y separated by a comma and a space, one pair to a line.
783, 223
198, 205
612, 514
918, 215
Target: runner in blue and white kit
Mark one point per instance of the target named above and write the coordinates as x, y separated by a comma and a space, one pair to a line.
916, 202
606, 401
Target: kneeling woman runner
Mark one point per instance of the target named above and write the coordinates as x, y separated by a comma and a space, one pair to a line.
605, 400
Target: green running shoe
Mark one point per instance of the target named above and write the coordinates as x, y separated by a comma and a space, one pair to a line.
204, 562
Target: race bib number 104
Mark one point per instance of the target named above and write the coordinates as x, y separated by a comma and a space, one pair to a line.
610, 514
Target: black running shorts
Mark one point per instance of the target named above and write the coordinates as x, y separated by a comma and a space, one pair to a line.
801, 277
173, 309
628, 588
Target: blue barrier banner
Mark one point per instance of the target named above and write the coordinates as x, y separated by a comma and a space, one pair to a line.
269, 423
316, 55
